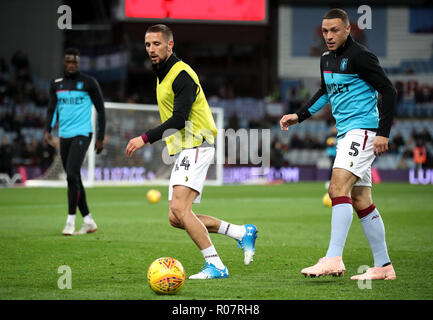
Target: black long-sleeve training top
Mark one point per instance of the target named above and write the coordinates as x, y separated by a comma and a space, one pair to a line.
70, 102
351, 77
185, 92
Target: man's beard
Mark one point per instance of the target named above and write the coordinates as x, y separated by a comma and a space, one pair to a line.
71, 73
160, 64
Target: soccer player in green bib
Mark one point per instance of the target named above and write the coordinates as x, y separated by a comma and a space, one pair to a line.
184, 108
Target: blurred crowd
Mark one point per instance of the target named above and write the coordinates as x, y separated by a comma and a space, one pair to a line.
23, 104
417, 148
422, 94
24, 100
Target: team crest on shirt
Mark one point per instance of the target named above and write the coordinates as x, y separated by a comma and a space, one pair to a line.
80, 85
343, 65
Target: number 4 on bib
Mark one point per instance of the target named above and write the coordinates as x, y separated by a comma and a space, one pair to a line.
185, 163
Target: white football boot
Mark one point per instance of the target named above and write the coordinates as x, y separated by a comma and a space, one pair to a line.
89, 227
69, 229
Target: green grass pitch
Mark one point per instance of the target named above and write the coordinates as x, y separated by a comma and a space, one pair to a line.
294, 231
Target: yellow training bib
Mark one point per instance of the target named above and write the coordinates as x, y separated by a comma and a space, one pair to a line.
200, 124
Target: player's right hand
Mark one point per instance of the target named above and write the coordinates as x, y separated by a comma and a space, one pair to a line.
287, 120
133, 145
49, 139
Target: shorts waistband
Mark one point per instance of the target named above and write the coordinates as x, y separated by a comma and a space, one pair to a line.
205, 144
360, 129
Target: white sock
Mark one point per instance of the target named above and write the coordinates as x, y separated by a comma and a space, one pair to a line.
232, 230
211, 256
71, 219
341, 219
375, 233
88, 218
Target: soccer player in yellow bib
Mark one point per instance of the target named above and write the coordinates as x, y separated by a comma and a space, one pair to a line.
183, 107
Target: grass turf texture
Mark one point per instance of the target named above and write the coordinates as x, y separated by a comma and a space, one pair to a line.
294, 231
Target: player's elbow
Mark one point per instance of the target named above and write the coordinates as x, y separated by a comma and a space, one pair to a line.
178, 122
390, 92
393, 92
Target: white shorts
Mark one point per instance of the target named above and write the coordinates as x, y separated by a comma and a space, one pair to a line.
355, 154
190, 169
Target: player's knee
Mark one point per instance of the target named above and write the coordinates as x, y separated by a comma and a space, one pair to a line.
174, 221
73, 177
175, 224
336, 191
361, 199
357, 206
356, 201
177, 210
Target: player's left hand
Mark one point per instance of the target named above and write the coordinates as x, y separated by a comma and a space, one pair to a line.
380, 145
99, 146
133, 145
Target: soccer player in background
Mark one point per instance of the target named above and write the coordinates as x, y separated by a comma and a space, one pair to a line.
350, 79
183, 107
71, 99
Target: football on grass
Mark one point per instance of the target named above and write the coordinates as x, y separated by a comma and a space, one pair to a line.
166, 276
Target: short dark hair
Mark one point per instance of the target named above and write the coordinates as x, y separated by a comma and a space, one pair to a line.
337, 14
166, 31
72, 52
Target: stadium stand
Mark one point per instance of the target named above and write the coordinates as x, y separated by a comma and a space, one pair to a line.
23, 102
409, 59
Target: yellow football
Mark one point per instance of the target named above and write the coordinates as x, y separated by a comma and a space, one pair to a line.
166, 276
153, 196
327, 202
